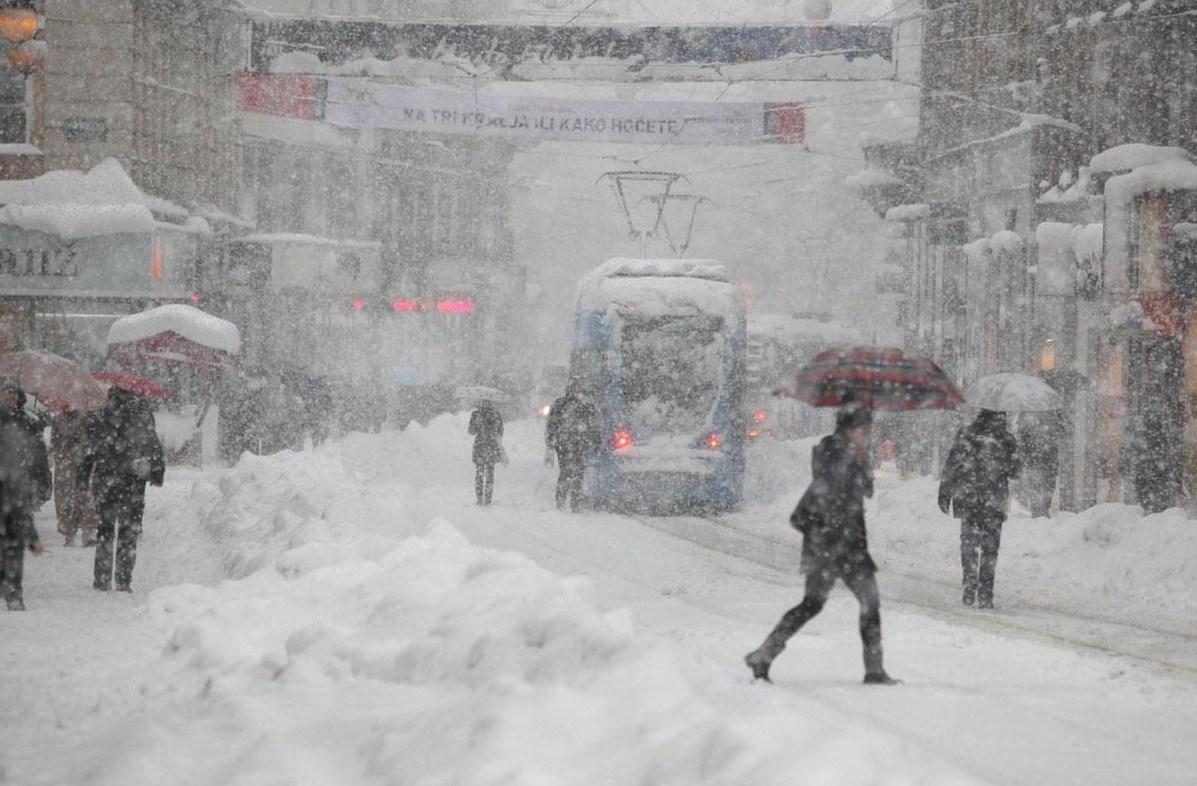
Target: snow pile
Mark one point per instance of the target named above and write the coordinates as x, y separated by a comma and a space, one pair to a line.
75, 204
1110, 558
187, 321
1124, 158
349, 653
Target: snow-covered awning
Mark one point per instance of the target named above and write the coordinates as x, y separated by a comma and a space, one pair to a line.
74, 204
187, 321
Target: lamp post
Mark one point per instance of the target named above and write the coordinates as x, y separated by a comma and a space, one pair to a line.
20, 23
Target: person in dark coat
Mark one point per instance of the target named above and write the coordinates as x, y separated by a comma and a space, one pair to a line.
1039, 447
486, 424
572, 432
835, 544
20, 489
123, 454
75, 508
975, 486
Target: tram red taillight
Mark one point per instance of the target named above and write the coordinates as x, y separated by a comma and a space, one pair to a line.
622, 439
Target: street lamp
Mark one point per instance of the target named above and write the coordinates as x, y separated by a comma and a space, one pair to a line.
20, 23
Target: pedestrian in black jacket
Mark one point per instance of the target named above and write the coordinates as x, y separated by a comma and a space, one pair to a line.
486, 424
975, 486
123, 454
835, 544
572, 431
20, 489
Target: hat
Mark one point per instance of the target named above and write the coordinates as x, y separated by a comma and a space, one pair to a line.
853, 415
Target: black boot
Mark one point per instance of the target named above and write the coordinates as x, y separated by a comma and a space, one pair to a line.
880, 678
759, 662
970, 596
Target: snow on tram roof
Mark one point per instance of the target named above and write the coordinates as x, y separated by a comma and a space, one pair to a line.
660, 286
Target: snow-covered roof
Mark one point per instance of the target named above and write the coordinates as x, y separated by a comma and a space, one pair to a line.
1124, 158
908, 212
187, 321
297, 239
75, 204
660, 286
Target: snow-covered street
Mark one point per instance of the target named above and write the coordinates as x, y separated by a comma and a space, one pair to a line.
349, 615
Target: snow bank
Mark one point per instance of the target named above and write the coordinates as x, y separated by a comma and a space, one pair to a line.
361, 646
188, 321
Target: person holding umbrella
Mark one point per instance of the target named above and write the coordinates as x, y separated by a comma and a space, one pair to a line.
834, 545
123, 454
975, 482
18, 492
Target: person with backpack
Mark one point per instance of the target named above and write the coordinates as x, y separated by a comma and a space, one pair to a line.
572, 432
486, 425
975, 486
834, 543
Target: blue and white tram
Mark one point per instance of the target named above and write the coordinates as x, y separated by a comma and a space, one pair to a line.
661, 346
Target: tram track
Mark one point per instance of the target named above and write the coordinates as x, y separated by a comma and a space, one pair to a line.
1171, 651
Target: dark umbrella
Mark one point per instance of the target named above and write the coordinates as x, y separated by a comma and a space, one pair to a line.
882, 379
132, 383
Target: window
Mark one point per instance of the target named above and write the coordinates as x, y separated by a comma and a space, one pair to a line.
13, 108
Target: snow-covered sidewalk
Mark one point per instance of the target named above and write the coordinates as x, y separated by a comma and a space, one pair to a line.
352, 617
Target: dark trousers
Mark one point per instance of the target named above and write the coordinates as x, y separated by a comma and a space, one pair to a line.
569, 479
12, 569
120, 509
484, 481
819, 581
14, 539
980, 538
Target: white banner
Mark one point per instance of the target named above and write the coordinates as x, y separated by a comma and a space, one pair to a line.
364, 103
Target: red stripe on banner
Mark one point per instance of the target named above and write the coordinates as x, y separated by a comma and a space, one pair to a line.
281, 95
789, 123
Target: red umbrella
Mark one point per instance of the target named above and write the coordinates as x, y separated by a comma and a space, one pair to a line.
59, 384
132, 383
883, 379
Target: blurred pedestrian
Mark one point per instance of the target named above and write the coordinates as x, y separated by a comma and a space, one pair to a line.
486, 425
834, 544
975, 486
19, 492
123, 454
1039, 447
572, 432
73, 503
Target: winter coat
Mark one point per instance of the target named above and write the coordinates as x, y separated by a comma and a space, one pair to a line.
572, 428
18, 484
836, 539
486, 424
976, 477
123, 450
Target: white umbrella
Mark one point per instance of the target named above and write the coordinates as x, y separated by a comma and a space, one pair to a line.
1012, 393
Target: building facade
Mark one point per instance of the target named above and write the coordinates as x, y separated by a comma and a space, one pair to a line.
1028, 248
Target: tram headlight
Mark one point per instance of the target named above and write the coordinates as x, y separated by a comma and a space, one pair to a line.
622, 439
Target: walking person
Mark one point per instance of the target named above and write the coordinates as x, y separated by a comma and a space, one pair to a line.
975, 486
19, 492
486, 425
123, 454
572, 432
1039, 446
73, 503
834, 544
